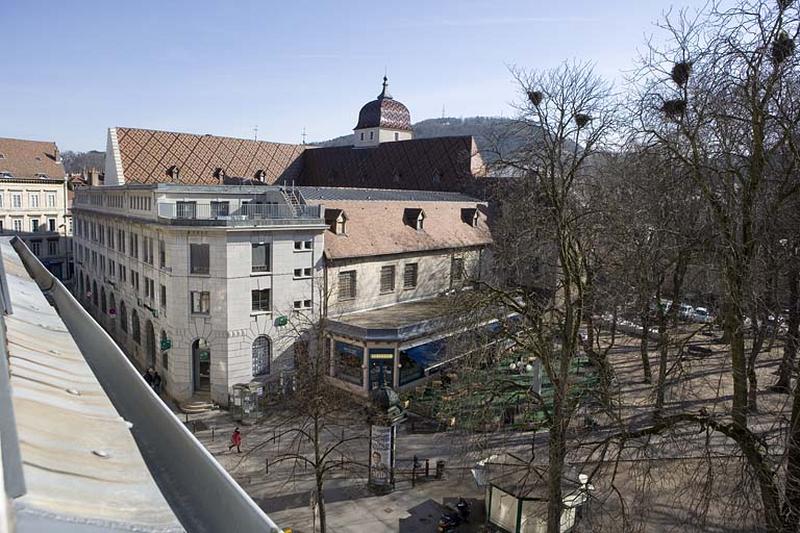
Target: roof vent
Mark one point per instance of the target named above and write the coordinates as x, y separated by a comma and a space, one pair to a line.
219, 174
2, 156
414, 217
261, 175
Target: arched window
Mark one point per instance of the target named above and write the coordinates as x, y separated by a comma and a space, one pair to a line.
123, 317
164, 353
112, 305
103, 306
94, 293
136, 330
261, 356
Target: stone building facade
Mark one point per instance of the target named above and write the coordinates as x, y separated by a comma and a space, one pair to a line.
199, 282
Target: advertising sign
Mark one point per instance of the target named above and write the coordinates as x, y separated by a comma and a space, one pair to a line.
380, 456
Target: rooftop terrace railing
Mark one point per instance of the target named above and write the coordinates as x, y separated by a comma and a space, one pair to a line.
220, 213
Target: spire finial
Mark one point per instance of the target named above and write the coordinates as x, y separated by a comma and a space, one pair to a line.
385, 91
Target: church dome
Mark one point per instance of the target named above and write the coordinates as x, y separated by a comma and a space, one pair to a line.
384, 112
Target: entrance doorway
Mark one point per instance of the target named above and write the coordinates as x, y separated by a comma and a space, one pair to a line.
201, 358
150, 344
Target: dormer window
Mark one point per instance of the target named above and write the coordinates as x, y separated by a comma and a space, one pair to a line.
469, 215
174, 172
414, 217
336, 220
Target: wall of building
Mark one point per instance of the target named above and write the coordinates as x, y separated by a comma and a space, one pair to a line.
379, 135
434, 277
230, 326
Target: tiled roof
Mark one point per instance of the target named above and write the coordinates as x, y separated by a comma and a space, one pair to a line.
434, 164
325, 194
30, 159
146, 155
437, 163
377, 228
384, 113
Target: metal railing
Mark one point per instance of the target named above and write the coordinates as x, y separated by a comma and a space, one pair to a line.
245, 212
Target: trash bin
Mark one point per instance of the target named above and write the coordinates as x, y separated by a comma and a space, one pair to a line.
439, 469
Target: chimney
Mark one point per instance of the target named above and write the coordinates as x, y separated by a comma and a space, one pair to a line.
56, 153
94, 178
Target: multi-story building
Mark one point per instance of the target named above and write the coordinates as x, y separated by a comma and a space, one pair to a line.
33, 201
199, 282
393, 260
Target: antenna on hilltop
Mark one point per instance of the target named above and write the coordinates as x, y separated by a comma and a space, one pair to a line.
442, 110
304, 135
255, 132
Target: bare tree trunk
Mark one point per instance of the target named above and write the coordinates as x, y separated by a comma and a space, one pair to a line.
644, 347
734, 331
319, 476
555, 471
791, 505
752, 379
667, 319
790, 348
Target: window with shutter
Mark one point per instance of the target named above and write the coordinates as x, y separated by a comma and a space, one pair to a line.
410, 276
387, 279
198, 258
347, 285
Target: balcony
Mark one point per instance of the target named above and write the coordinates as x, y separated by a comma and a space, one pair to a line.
220, 214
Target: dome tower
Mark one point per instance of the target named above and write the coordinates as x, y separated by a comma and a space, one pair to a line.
382, 120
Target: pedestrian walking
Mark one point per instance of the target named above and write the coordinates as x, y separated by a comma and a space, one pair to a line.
236, 440
157, 382
148, 376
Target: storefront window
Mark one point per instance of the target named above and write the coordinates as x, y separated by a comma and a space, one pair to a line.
348, 361
414, 361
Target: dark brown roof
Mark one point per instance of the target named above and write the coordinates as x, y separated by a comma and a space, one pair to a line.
377, 228
146, 155
30, 159
432, 164
384, 112
438, 163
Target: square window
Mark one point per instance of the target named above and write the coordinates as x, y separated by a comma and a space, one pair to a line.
307, 304
307, 272
298, 272
260, 300
201, 302
298, 245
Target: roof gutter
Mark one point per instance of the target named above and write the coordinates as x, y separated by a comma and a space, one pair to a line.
200, 492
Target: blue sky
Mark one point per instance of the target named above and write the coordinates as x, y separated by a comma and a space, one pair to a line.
70, 70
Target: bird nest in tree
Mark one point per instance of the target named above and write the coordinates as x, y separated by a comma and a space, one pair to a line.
680, 73
674, 108
782, 48
582, 119
535, 97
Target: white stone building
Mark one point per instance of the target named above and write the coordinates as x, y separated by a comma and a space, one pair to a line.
33, 205
199, 282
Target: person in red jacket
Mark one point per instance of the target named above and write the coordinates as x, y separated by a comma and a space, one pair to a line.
236, 440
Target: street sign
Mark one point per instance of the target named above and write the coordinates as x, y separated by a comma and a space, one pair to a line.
166, 344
